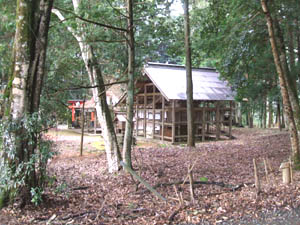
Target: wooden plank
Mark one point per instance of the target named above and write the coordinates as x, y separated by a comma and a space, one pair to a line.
149, 94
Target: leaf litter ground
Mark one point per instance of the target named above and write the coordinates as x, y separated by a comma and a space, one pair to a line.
82, 192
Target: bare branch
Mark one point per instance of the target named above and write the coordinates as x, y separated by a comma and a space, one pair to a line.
93, 22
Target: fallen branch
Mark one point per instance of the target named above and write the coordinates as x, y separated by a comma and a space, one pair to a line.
80, 188
148, 186
172, 216
76, 215
231, 187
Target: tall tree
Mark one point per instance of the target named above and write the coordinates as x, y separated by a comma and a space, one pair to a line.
281, 71
189, 78
22, 99
113, 154
130, 86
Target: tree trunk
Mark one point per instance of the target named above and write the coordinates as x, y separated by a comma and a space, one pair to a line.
239, 114
130, 87
23, 98
270, 110
279, 116
291, 83
189, 78
113, 154
264, 112
283, 86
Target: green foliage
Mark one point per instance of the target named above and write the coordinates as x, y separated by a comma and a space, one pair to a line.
36, 195
64, 189
24, 154
203, 179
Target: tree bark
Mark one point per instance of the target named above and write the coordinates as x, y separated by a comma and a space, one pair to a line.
283, 85
291, 83
130, 86
189, 79
270, 110
113, 154
279, 116
23, 98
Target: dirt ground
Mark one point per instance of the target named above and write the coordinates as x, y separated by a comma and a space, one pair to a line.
82, 192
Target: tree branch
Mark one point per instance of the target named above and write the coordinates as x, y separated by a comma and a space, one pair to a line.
115, 9
88, 87
93, 22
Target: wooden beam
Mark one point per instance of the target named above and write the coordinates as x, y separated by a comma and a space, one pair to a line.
137, 117
153, 112
230, 121
203, 123
163, 118
145, 103
95, 122
173, 121
218, 121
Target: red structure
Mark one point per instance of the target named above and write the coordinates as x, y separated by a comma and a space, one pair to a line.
89, 109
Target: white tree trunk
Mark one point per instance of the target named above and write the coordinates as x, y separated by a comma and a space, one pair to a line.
111, 146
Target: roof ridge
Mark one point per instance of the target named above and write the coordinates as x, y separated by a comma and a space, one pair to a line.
177, 66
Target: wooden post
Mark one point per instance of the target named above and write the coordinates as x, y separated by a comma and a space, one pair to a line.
257, 182
191, 186
286, 172
173, 121
266, 170
145, 111
82, 128
203, 122
153, 113
163, 118
217, 120
207, 118
230, 121
137, 116
95, 122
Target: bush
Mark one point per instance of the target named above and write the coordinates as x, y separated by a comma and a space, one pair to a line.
24, 155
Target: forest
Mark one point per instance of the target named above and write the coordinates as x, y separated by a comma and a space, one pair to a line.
150, 158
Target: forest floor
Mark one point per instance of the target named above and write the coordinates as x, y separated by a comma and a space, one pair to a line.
81, 191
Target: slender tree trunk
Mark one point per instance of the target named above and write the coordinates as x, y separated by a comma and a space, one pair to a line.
283, 85
113, 154
279, 116
265, 113
130, 87
239, 114
298, 46
261, 116
189, 78
270, 110
82, 127
291, 83
32, 26
291, 47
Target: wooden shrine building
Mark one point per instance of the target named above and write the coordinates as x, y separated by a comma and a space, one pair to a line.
160, 104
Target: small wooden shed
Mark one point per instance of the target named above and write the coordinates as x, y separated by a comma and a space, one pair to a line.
160, 104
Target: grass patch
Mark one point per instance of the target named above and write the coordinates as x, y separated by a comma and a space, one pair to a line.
99, 145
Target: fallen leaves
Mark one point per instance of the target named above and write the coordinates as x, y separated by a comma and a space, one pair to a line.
87, 194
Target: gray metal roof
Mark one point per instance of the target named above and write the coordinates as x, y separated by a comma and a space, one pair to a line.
171, 82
